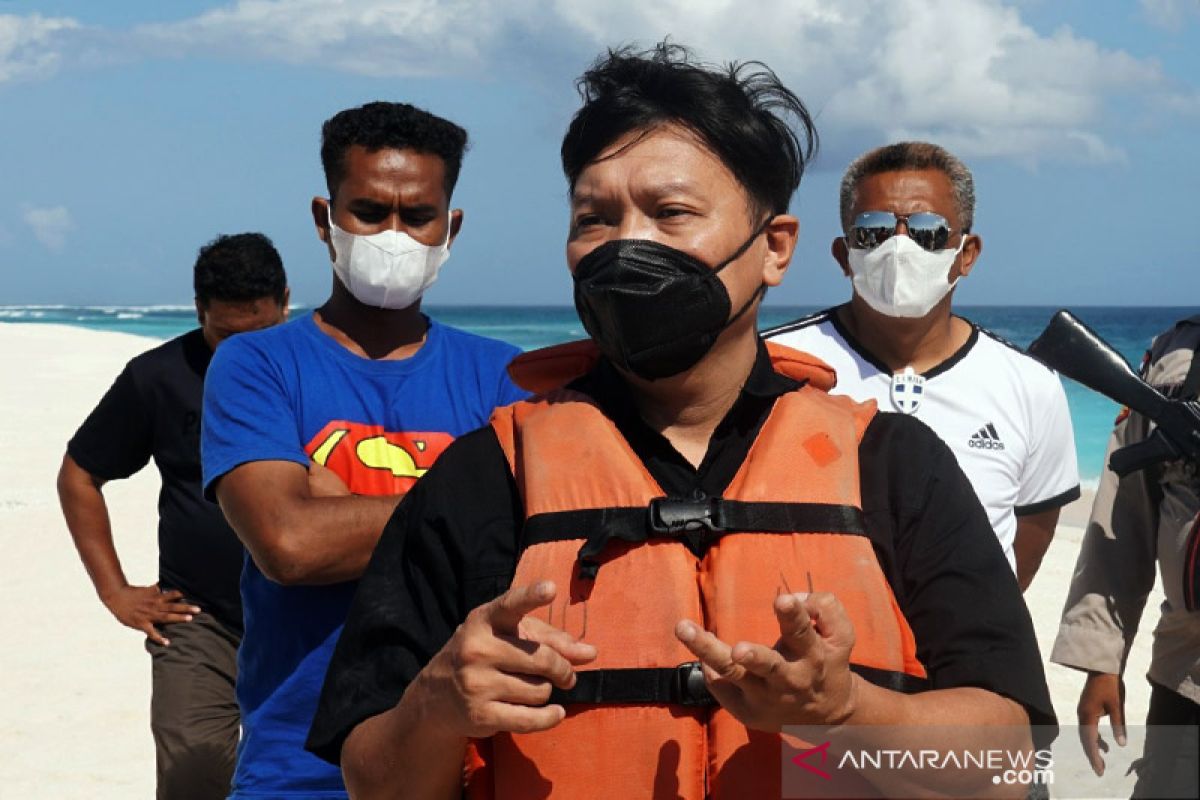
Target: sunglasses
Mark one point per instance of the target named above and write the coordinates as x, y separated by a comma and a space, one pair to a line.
871, 228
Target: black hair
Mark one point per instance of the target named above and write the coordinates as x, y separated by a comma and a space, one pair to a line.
397, 126
737, 111
239, 268
910, 156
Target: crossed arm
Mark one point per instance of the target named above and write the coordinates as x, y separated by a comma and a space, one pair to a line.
302, 526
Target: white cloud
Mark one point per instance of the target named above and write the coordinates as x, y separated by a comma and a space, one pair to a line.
1170, 14
369, 37
963, 71
31, 46
50, 226
969, 72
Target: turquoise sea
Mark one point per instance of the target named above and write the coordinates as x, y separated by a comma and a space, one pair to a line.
1127, 329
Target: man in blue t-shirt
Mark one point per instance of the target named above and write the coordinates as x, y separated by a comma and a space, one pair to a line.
314, 430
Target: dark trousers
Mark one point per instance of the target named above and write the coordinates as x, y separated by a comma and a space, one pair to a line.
193, 710
1170, 765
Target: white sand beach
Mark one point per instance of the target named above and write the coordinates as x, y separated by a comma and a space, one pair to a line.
75, 691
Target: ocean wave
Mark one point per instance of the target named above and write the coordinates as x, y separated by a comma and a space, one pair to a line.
155, 309
35, 307
189, 307
108, 309
130, 315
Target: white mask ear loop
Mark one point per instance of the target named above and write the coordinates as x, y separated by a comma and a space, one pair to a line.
957, 253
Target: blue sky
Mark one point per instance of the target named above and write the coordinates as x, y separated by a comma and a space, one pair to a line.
135, 131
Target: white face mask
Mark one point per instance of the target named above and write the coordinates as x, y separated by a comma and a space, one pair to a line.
388, 269
901, 279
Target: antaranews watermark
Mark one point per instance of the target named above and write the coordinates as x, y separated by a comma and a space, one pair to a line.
995, 761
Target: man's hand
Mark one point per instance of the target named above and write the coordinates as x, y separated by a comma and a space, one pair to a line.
496, 672
142, 607
804, 679
324, 482
1103, 695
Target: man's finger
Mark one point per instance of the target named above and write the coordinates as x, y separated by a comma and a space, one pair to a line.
516, 657
173, 594
712, 652
1089, 738
506, 611
757, 659
526, 719
796, 632
830, 619
178, 608
153, 634
522, 690
1116, 715
575, 651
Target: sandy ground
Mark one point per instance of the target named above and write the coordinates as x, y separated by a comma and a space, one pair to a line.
75, 685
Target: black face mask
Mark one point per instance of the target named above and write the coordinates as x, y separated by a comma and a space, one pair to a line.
653, 310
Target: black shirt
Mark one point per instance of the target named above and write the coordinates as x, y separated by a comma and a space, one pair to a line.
453, 542
152, 410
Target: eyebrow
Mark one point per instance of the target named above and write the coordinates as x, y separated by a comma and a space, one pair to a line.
657, 190
367, 204
673, 185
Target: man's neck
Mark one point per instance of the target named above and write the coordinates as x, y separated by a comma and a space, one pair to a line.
921, 343
374, 333
687, 408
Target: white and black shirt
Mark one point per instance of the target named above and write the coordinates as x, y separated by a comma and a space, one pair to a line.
1003, 415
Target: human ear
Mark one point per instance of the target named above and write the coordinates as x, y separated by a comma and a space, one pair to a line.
781, 234
841, 254
322, 214
456, 221
972, 247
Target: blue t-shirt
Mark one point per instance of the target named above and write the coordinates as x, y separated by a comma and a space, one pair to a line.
291, 393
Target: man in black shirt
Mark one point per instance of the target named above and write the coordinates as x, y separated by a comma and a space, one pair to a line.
192, 617
458, 653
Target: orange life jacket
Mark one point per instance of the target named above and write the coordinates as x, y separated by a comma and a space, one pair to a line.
640, 722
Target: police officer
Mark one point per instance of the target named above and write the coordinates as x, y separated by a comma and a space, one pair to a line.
1148, 518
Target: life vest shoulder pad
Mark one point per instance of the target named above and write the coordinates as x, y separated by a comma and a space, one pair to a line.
548, 368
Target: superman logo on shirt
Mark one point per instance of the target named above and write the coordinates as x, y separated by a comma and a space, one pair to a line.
374, 461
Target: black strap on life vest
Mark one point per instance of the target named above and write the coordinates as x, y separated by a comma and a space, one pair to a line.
696, 523
684, 685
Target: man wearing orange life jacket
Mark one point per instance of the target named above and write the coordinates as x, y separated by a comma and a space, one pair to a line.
628, 585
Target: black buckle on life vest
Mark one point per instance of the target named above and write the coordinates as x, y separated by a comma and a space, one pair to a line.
672, 515
690, 688
693, 521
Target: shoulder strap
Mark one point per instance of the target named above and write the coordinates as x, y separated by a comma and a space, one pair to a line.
542, 371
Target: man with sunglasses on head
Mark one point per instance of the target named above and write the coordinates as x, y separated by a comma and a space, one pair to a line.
907, 212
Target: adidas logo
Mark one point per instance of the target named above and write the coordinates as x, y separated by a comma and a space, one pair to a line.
986, 438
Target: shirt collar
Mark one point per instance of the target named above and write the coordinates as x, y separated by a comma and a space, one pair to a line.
764, 381
605, 384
